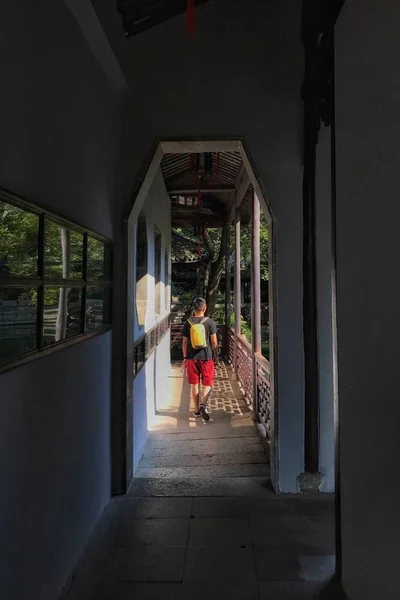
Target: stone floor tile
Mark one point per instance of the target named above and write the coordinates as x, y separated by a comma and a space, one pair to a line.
150, 532
277, 564
211, 533
220, 590
278, 531
220, 564
320, 507
153, 508
273, 590
321, 539
318, 568
142, 591
220, 508
149, 564
276, 506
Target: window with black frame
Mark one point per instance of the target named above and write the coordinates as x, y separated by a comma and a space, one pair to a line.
55, 281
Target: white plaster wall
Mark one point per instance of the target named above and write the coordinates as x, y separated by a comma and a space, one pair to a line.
157, 210
143, 403
368, 307
153, 378
324, 307
59, 135
240, 76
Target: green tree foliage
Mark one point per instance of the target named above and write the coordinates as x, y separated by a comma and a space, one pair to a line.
214, 242
19, 246
18, 241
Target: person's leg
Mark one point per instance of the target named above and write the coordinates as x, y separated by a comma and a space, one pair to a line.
194, 392
193, 377
207, 375
206, 392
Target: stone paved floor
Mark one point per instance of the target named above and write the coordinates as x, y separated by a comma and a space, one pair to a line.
200, 519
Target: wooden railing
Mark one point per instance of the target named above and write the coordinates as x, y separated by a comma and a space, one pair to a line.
244, 370
145, 345
264, 392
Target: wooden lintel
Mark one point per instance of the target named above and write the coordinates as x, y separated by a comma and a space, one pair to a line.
187, 191
243, 187
239, 175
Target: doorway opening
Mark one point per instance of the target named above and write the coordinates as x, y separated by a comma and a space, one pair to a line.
200, 226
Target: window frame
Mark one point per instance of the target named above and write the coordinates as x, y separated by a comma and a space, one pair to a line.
167, 279
40, 281
141, 251
158, 248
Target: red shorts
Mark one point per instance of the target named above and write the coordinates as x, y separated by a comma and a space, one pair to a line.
203, 369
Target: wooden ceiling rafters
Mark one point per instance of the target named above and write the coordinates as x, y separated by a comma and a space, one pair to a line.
227, 185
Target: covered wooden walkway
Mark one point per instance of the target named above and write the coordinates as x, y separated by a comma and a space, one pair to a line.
188, 455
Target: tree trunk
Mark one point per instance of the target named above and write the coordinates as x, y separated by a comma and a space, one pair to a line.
207, 270
62, 314
215, 274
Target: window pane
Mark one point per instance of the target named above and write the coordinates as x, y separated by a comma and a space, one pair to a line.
98, 307
17, 322
63, 252
98, 260
62, 314
19, 230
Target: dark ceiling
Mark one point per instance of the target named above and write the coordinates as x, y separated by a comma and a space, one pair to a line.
139, 15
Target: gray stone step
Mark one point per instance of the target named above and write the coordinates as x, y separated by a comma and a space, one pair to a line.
230, 486
203, 446
205, 432
188, 460
216, 471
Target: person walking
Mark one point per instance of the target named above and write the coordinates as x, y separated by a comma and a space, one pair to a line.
200, 354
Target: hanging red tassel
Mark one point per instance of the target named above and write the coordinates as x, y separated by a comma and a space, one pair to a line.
198, 250
190, 23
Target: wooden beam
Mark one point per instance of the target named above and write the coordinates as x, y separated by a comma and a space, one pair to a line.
188, 191
242, 189
98, 42
196, 146
239, 175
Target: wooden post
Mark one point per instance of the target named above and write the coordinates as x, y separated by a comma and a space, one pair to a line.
227, 288
310, 335
237, 282
255, 294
